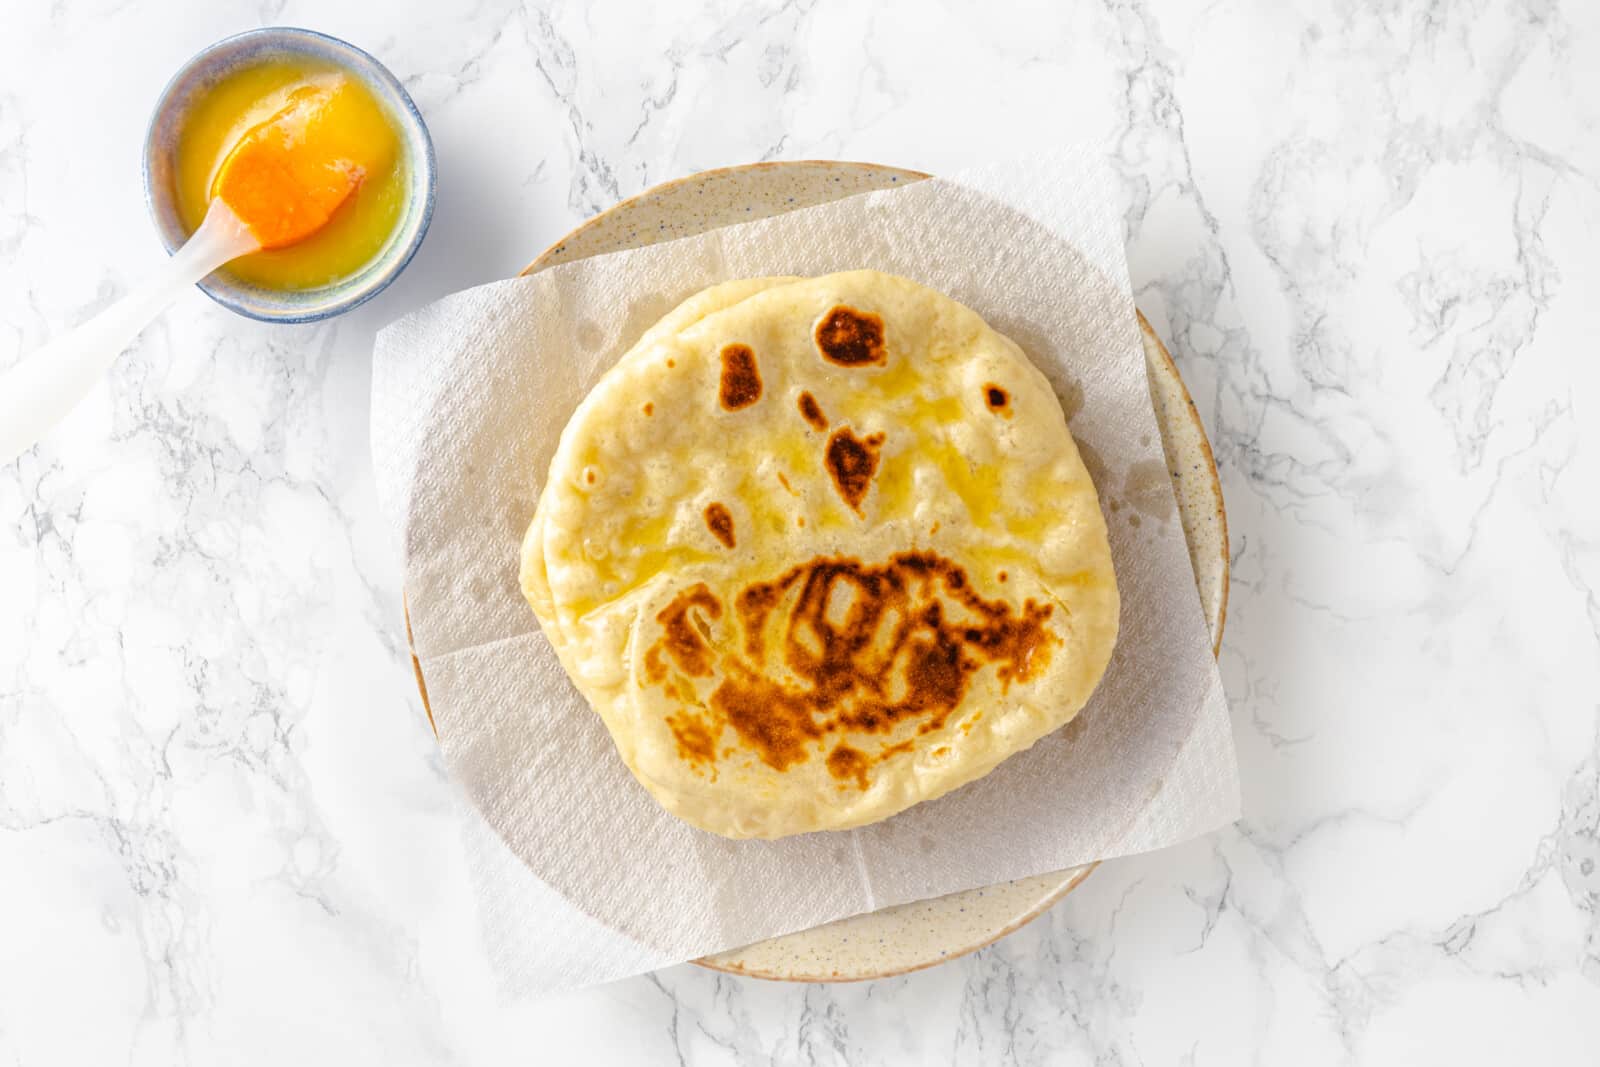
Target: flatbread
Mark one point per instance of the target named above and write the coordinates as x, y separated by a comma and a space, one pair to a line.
817, 550
535, 587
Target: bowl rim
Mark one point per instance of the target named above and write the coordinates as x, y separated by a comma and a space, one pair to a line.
391, 87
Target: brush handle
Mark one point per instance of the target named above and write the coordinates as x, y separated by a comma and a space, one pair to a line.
39, 392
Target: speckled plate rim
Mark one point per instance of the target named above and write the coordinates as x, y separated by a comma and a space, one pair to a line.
787, 958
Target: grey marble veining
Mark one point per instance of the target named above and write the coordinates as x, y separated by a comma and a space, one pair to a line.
1368, 231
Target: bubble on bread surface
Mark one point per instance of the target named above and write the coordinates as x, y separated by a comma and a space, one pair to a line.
852, 462
811, 411
720, 522
740, 385
850, 338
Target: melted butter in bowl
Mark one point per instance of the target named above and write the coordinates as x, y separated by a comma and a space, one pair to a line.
242, 83
362, 227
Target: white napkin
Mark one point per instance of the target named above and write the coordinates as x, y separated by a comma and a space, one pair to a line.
469, 397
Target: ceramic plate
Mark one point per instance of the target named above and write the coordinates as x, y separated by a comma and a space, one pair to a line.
910, 936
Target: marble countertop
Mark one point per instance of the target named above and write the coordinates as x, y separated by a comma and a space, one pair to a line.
1369, 232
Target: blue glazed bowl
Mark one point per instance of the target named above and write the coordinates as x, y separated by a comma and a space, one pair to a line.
254, 46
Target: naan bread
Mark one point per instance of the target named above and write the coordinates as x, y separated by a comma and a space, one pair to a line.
817, 550
535, 587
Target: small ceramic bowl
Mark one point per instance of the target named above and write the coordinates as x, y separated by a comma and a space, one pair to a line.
160, 156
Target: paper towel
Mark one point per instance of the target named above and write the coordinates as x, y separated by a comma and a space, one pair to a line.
469, 397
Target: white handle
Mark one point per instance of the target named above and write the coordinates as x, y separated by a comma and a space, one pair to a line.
38, 392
